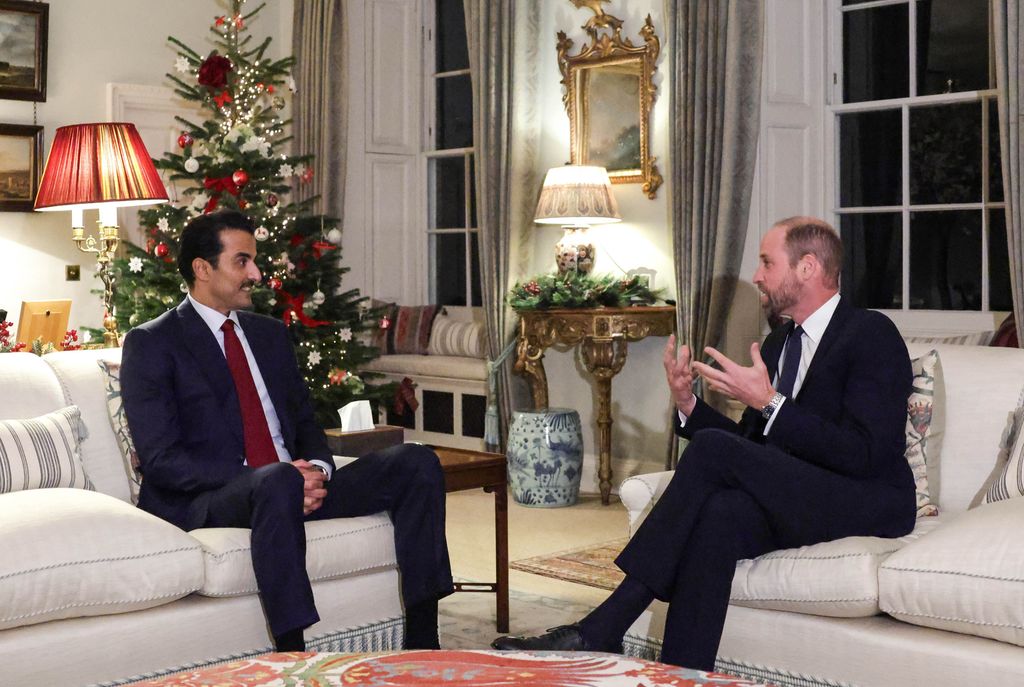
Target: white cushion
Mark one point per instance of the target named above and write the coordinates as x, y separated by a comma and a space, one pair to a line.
334, 548
69, 553
966, 576
42, 452
453, 367
39, 391
837, 578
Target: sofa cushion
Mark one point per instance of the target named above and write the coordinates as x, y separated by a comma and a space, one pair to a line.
1008, 479
921, 405
70, 553
837, 578
43, 452
966, 576
334, 548
119, 423
451, 337
411, 329
450, 366
39, 391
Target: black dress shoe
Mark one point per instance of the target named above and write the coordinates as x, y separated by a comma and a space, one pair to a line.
561, 638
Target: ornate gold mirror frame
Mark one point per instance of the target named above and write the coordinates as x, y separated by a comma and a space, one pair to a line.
609, 93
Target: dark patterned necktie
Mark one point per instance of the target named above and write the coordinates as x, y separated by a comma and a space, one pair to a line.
259, 446
791, 362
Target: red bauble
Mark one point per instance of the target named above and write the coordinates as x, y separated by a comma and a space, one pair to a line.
271, 200
185, 140
161, 250
274, 283
240, 177
270, 88
242, 203
307, 175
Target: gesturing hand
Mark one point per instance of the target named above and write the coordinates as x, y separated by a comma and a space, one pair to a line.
313, 487
679, 376
748, 385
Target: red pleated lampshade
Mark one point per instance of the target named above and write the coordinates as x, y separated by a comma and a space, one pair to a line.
95, 164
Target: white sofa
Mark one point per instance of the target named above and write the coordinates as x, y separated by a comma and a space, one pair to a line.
94, 590
943, 606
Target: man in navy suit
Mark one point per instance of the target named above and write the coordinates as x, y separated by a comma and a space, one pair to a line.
197, 428
817, 455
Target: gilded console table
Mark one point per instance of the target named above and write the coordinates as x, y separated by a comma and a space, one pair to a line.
603, 333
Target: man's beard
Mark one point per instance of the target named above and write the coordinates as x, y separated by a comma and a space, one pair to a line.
783, 298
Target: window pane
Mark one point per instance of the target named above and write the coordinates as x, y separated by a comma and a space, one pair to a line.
875, 54
995, 156
449, 193
873, 264
474, 243
870, 171
952, 46
448, 258
451, 36
454, 112
945, 154
945, 260
999, 294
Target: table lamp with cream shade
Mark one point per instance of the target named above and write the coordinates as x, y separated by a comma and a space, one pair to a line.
100, 166
576, 196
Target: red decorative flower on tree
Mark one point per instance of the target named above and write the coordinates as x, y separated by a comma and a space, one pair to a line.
213, 72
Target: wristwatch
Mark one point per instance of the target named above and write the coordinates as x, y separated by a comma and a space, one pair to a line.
772, 406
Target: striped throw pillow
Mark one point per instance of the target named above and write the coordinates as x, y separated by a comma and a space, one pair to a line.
43, 452
412, 328
451, 337
119, 423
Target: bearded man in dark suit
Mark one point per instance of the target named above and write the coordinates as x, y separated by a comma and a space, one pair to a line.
226, 437
817, 455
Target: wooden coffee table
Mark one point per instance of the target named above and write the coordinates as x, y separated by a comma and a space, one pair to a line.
465, 469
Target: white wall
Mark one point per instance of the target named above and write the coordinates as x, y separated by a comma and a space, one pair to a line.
91, 44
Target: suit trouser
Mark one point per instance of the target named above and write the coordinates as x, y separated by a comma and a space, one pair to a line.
405, 481
730, 499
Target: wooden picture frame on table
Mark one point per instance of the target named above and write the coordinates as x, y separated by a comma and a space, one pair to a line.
23, 37
21, 153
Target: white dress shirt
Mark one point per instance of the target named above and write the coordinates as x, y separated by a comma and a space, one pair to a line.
215, 320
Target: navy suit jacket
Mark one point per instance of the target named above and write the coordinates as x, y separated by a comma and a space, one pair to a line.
850, 414
183, 411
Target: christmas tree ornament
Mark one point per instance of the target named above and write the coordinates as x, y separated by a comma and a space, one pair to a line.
133, 319
274, 283
183, 287
161, 250
278, 102
240, 177
318, 297
334, 236
185, 140
243, 204
261, 233
191, 165
307, 175
272, 199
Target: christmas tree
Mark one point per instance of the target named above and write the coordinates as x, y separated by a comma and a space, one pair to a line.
233, 160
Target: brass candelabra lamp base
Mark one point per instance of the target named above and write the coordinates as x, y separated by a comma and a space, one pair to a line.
105, 249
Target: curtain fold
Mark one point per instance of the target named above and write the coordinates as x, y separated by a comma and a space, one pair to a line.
489, 28
1008, 24
319, 108
715, 55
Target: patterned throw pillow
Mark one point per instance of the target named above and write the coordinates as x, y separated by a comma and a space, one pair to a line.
920, 407
412, 328
451, 337
119, 423
43, 453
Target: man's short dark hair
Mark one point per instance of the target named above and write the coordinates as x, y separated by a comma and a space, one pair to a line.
201, 239
813, 236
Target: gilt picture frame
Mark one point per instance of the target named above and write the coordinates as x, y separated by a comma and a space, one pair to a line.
23, 40
21, 152
609, 94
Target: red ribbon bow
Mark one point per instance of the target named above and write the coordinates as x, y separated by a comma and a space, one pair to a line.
218, 186
293, 309
405, 397
321, 247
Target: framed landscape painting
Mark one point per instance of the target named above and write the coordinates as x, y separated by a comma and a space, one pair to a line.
23, 30
21, 150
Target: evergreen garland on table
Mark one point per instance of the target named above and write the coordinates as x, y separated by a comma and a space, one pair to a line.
232, 160
577, 290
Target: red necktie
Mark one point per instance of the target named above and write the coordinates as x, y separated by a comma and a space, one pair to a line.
259, 447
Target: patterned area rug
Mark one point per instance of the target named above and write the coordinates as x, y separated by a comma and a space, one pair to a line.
591, 565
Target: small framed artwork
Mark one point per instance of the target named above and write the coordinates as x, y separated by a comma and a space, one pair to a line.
23, 31
21, 151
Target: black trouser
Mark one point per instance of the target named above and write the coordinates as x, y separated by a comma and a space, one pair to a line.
405, 481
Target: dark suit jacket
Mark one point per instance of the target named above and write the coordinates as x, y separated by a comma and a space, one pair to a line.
850, 414
183, 411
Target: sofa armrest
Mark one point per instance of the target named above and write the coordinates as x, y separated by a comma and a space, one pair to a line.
639, 493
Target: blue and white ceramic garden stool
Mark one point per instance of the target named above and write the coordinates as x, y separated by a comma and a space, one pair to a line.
545, 456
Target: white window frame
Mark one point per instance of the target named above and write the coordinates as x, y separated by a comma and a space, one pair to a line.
430, 153
910, 321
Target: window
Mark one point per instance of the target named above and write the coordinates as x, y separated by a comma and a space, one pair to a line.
453, 237
918, 186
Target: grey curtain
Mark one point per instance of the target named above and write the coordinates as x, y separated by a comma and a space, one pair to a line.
319, 109
489, 28
715, 101
1008, 22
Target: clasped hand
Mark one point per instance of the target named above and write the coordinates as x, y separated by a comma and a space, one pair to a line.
748, 385
313, 488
